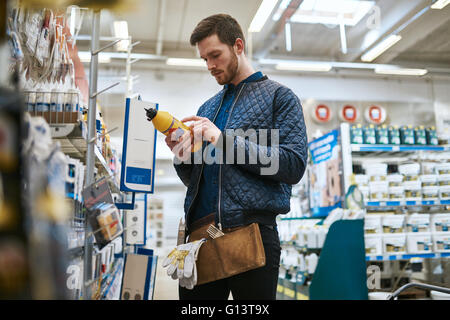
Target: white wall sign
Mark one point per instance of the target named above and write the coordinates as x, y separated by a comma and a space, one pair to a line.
139, 148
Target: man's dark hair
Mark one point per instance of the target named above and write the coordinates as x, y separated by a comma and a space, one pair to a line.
224, 25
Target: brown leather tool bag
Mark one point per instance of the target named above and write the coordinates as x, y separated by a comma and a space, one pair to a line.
239, 250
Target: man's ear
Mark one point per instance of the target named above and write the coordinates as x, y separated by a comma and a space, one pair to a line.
239, 46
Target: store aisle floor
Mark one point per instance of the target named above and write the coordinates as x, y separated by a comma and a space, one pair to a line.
165, 287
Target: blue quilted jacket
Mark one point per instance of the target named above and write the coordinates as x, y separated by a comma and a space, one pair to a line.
245, 195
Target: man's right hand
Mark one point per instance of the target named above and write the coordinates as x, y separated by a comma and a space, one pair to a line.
181, 147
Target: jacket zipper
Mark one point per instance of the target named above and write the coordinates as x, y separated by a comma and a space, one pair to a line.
220, 165
201, 170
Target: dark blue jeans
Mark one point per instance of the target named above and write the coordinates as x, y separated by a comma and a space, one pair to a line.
256, 284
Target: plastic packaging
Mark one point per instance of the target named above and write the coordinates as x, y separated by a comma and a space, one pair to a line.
442, 168
394, 135
394, 244
396, 193
440, 222
441, 242
373, 244
430, 193
369, 134
428, 180
431, 134
407, 135
420, 135
382, 134
413, 193
411, 169
393, 223
444, 193
419, 243
356, 134
372, 224
418, 222
379, 191
443, 180
395, 180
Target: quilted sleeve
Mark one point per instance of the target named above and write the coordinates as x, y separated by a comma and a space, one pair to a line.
286, 155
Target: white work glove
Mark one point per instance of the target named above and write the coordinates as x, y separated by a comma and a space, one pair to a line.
181, 262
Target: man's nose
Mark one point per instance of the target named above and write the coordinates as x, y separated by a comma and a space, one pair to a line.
211, 65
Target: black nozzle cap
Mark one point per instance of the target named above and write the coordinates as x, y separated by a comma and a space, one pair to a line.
151, 113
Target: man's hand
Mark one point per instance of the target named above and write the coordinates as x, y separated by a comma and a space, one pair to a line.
203, 129
182, 146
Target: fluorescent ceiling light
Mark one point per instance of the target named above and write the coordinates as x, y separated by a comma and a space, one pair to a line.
401, 71
121, 31
333, 12
186, 62
304, 66
261, 16
86, 57
440, 4
373, 53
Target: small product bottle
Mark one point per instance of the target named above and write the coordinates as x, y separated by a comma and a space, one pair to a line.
369, 134
356, 133
394, 135
382, 135
407, 135
432, 139
420, 135
165, 123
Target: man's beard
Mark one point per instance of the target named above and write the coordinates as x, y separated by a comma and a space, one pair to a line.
231, 70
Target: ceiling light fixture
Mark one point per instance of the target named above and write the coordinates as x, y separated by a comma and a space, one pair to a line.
121, 32
304, 66
401, 71
440, 4
261, 16
373, 53
186, 62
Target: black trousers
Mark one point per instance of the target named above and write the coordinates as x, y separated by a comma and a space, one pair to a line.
256, 284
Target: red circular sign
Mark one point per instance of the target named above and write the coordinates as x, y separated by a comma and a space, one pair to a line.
322, 113
349, 113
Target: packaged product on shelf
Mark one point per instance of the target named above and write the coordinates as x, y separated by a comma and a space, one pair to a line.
418, 222
394, 135
428, 168
373, 244
393, 223
430, 193
395, 243
356, 134
361, 180
413, 192
395, 180
420, 135
442, 168
376, 171
440, 222
409, 171
428, 180
441, 242
106, 223
432, 139
30, 100
444, 193
419, 243
382, 134
407, 135
443, 179
396, 193
369, 134
372, 224
379, 191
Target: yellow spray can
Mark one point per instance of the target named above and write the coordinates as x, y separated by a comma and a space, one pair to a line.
165, 123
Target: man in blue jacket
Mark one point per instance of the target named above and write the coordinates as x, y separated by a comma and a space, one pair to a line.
241, 188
